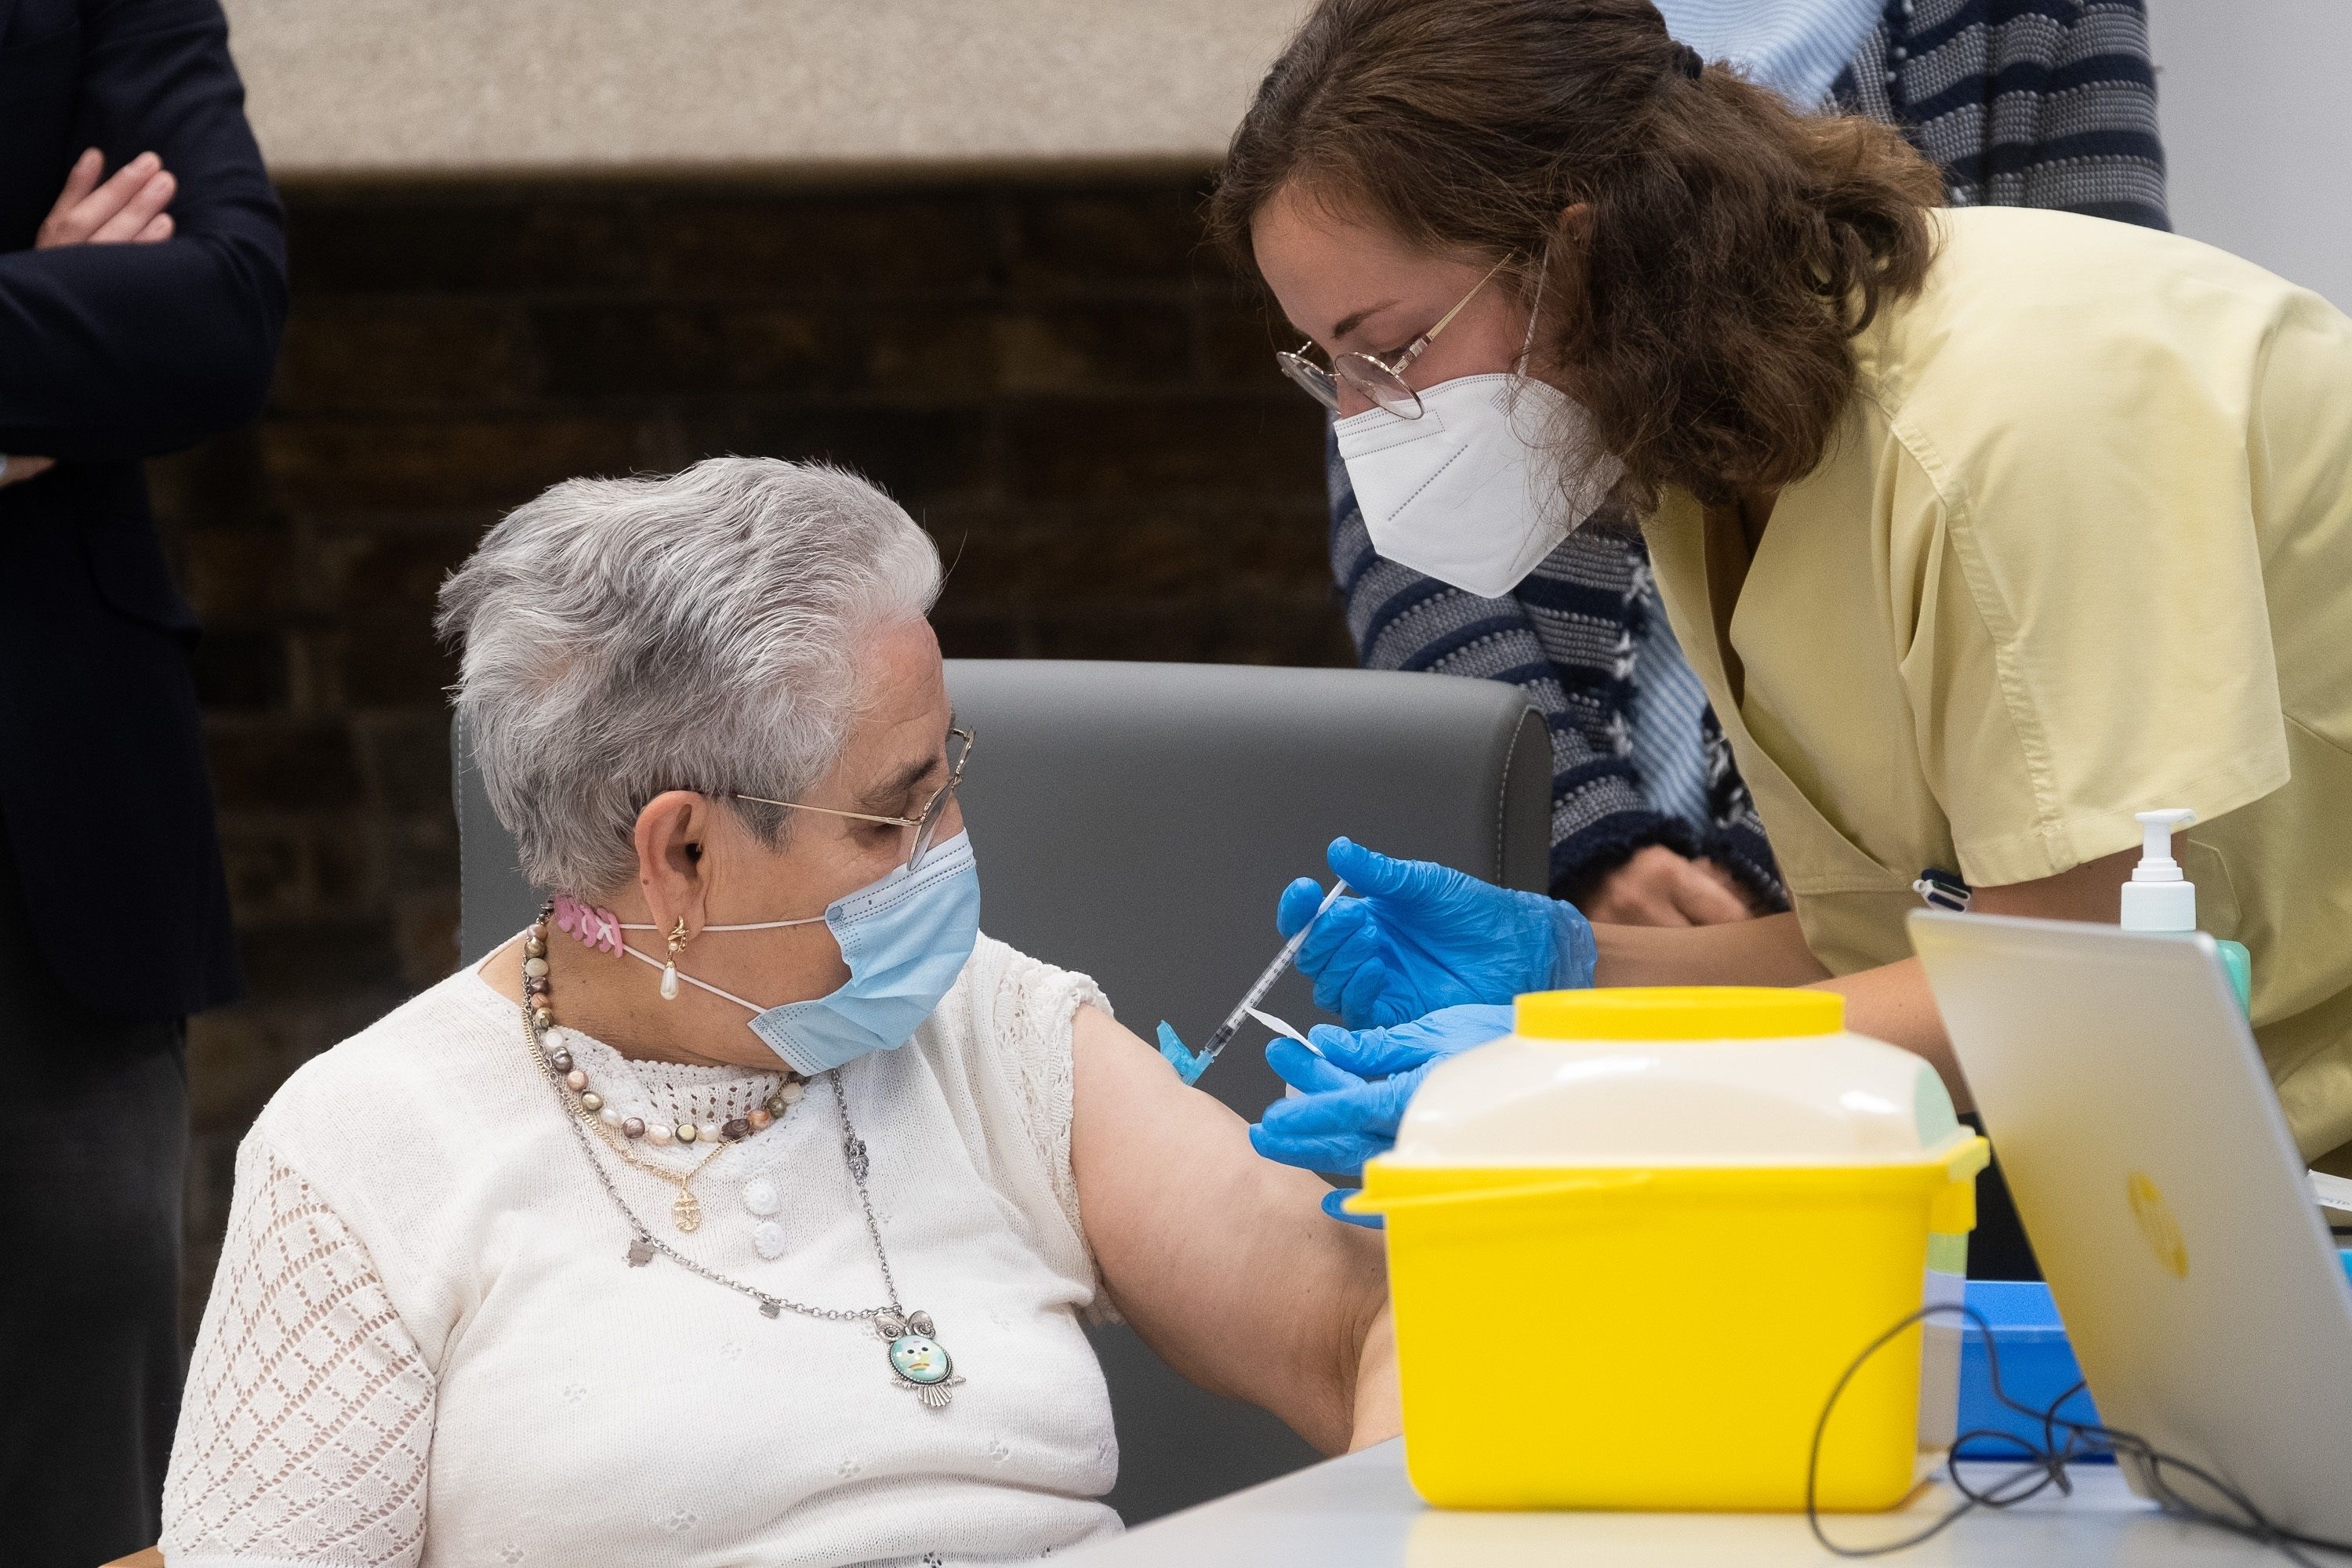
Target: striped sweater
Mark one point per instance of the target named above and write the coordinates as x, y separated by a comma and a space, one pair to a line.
2048, 103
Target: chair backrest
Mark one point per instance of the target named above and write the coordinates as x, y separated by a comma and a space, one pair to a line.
1136, 821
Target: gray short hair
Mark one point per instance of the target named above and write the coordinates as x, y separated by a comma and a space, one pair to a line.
698, 630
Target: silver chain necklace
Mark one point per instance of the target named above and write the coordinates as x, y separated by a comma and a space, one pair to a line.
917, 1361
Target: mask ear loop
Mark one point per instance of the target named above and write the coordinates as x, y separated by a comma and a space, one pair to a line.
1535, 312
757, 925
670, 974
599, 928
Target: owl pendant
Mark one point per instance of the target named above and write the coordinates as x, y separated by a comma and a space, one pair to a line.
917, 1361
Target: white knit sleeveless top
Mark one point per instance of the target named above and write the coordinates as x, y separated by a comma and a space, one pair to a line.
426, 1346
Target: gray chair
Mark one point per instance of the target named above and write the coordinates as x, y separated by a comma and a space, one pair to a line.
1135, 821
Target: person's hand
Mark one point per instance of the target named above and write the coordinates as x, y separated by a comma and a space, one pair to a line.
1419, 936
1352, 1096
1659, 887
127, 209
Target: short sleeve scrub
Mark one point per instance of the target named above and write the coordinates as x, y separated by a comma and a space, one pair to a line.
2080, 547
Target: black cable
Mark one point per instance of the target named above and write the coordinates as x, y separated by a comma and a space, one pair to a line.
2046, 1467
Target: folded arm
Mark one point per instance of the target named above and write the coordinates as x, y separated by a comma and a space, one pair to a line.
112, 351
1222, 1261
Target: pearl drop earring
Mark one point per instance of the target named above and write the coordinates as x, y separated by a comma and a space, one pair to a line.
669, 970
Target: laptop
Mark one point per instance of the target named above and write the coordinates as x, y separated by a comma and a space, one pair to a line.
2133, 1116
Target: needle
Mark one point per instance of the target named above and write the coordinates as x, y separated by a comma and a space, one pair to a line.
1190, 1064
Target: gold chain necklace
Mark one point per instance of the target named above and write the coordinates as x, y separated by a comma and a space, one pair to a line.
685, 1209
917, 1361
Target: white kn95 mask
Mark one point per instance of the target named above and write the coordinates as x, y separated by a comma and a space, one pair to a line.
1464, 494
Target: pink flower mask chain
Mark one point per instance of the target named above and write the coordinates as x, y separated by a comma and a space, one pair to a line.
601, 930
596, 928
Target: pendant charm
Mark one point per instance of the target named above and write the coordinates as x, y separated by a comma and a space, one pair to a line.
641, 1252
669, 982
687, 1212
919, 1360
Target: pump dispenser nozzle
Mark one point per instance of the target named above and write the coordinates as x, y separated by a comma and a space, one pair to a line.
2158, 897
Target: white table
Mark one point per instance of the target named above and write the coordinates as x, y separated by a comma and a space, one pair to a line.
1360, 1513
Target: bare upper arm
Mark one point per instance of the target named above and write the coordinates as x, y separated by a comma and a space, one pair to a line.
1222, 1261
2090, 892
1892, 1003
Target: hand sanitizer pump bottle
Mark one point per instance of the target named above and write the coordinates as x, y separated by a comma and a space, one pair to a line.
2158, 898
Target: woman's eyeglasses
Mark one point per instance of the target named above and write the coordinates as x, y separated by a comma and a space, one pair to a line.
1382, 381
926, 824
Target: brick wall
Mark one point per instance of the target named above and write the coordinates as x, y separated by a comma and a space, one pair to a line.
1067, 389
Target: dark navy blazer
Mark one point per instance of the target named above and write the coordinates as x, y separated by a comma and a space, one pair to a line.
110, 354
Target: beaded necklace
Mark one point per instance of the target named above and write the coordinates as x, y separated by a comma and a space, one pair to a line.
618, 1130
917, 1361
538, 995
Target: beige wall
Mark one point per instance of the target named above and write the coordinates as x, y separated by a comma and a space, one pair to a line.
393, 87
2260, 149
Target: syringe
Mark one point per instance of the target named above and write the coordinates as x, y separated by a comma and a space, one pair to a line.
1190, 1064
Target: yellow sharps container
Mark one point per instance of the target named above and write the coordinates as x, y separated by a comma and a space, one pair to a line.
1634, 1243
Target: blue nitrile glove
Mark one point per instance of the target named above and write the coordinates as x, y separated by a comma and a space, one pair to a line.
1419, 936
1352, 1097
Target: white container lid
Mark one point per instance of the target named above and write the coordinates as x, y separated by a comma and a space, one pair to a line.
1814, 1097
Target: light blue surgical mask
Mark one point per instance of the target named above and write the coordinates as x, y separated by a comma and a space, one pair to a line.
905, 938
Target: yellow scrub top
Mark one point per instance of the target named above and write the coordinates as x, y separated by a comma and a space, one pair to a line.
2082, 546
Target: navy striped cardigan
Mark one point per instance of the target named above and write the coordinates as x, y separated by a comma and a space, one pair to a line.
2044, 103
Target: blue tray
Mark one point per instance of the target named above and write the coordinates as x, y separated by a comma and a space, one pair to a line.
2037, 1365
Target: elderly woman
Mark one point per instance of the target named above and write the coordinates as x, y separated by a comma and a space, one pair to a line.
747, 1207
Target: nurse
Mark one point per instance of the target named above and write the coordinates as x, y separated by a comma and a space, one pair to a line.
1650, 823
1984, 529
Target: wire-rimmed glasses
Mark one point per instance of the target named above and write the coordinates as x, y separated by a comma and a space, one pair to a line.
1382, 381
926, 825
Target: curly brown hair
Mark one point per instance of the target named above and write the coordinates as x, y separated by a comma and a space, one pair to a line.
1702, 305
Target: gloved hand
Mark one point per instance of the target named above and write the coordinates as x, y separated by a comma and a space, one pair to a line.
1354, 1094
1419, 936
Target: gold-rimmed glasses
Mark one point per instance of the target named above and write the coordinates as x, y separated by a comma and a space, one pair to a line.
1382, 381
926, 825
